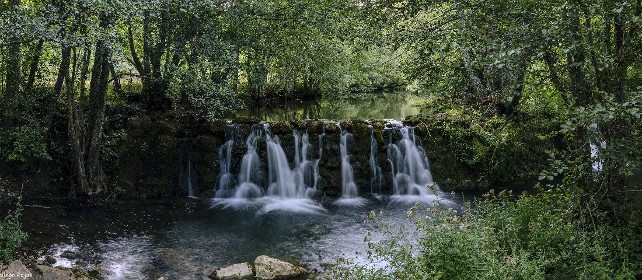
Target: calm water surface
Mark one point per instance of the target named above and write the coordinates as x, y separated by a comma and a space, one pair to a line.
363, 106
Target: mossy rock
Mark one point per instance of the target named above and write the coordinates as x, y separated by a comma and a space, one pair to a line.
299, 125
361, 129
314, 126
332, 128
281, 128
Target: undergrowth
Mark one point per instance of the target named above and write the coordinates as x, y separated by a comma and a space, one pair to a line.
11, 234
547, 235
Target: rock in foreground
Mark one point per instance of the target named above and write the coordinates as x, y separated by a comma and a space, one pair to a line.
268, 268
16, 270
234, 272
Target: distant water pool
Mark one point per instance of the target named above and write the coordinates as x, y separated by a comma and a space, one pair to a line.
361, 106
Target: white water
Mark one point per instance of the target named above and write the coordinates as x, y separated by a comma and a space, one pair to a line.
282, 183
190, 188
226, 179
292, 184
349, 189
288, 188
410, 168
250, 175
376, 180
596, 148
348, 186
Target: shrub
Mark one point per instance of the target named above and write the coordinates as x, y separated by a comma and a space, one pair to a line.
21, 146
11, 235
502, 237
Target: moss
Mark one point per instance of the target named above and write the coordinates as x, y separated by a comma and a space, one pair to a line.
332, 128
361, 128
281, 128
314, 126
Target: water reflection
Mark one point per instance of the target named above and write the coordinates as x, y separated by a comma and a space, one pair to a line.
371, 106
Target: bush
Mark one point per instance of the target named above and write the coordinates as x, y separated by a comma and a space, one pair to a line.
11, 235
193, 90
22, 146
540, 236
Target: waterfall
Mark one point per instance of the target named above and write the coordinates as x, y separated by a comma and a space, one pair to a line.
306, 168
286, 181
375, 181
298, 181
283, 181
190, 189
348, 187
596, 148
410, 167
225, 178
250, 175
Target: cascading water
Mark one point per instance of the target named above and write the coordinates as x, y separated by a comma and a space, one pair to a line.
268, 178
375, 181
226, 183
250, 175
190, 188
410, 167
287, 190
282, 181
348, 187
306, 168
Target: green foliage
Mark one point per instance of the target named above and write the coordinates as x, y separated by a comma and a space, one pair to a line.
23, 135
616, 125
502, 237
191, 89
11, 234
115, 192
20, 146
489, 147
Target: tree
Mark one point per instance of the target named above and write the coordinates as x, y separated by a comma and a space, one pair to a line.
13, 72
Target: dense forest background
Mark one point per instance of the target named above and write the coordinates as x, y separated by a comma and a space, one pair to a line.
565, 71
555, 60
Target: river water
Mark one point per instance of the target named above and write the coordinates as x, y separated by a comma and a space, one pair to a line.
188, 238
361, 106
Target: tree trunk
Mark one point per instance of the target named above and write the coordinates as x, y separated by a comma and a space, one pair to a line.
519, 76
474, 79
96, 115
63, 71
575, 61
74, 131
620, 63
550, 61
33, 67
13, 65
117, 86
86, 128
84, 70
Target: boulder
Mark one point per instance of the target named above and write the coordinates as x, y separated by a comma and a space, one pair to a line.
54, 273
233, 272
16, 270
50, 260
270, 268
68, 255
